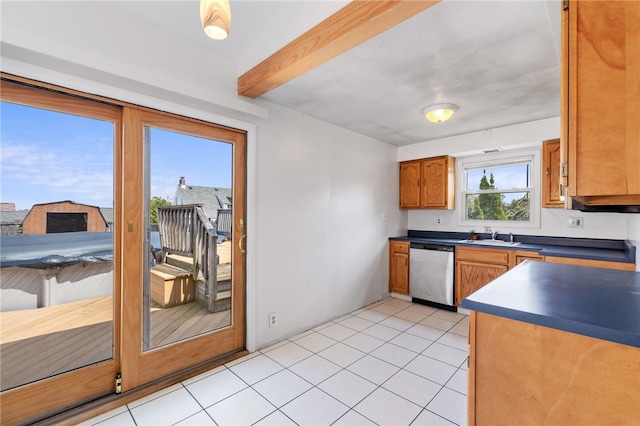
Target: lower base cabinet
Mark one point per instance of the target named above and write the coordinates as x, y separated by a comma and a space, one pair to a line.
525, 374
476, 267
399, 267
594, 263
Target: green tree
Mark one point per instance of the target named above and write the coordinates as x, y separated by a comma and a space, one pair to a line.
474, 211
490, 204
518, 209
153, 204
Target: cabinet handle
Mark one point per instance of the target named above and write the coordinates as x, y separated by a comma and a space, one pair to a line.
548, 171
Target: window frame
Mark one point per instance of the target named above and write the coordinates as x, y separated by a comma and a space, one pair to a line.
497, 159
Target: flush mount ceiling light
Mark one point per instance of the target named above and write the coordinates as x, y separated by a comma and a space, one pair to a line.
215, 16
439, 113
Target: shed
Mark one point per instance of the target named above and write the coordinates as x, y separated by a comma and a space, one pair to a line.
63, 216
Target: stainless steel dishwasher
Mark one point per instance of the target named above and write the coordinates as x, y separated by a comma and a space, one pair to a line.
431, 274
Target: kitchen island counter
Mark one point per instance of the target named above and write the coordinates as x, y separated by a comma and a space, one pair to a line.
555, 344
594, 302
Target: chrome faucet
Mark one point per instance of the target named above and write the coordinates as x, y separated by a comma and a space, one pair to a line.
494, 234
510, 237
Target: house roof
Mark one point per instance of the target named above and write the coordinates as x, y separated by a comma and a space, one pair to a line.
107, 213
211, 198
12, 217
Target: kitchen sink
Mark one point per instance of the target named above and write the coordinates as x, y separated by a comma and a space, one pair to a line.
491, 242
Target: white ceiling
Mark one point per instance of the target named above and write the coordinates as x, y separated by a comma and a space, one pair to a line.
498, 61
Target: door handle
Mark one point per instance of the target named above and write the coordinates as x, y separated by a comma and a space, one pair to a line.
241, 246
243, 238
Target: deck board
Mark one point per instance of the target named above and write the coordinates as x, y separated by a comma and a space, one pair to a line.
39, 343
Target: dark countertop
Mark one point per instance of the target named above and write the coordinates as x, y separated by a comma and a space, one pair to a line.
580, 248
594, 302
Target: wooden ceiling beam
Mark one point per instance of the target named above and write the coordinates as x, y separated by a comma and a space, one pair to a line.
355, 23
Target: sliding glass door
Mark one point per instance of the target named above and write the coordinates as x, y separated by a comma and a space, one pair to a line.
122, 247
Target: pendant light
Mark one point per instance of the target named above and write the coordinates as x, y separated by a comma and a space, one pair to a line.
439, 113
215, 16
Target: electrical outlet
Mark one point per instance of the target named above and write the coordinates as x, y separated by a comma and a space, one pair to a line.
273, 319
575, 222
439, 221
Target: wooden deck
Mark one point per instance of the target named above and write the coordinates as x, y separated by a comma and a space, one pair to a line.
39, 343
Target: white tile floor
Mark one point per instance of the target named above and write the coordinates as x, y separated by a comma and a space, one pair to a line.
390, 363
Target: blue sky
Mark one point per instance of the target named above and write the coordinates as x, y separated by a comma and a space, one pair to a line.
47, 156
507, 177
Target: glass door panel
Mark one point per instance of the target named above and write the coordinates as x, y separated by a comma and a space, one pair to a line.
56, 271
187, 287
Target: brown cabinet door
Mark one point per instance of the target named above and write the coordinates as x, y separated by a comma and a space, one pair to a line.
470, 276
399, 282
410, 184
434, 183
601, 74
399, 267
551, 174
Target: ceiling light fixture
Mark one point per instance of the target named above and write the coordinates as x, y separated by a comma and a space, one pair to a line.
215, 16
439, 113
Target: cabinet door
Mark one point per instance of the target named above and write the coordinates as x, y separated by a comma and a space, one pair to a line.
399, 279
520, 258
410, 184
470, 276
434, 183
602, 78
589, 262
551, 174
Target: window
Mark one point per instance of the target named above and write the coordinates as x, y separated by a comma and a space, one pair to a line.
499, 189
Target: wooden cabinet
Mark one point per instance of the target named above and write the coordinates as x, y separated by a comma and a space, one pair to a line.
600, 83
551, 174
476, 267
399, 267
590, 262
428, 183
519, 256
521, 373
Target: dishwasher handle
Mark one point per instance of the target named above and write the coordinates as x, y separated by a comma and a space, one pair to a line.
436, 247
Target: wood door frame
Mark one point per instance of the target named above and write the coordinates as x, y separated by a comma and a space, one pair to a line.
138, 367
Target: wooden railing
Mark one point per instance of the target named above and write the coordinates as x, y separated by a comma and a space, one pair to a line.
186, 231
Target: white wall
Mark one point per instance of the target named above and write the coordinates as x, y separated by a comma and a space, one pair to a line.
552, 221
327, 202
322, 200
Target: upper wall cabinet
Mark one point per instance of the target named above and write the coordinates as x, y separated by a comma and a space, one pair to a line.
551, 174
427, 183
600, 101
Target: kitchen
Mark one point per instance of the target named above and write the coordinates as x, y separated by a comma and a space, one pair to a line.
324, 174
